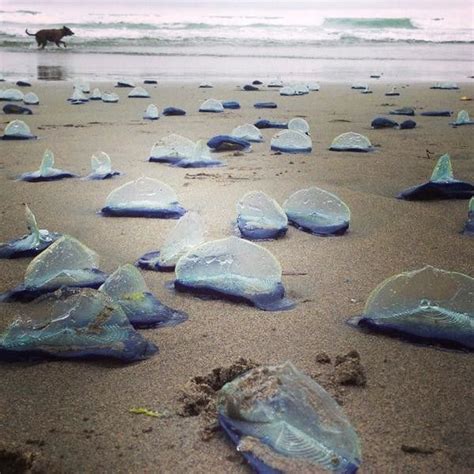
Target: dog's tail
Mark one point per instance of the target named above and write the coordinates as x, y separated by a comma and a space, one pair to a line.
29, 34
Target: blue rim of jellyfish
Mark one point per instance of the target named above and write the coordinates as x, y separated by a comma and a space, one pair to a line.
264, 123
14, 109
175, 211
293, 151
8, 249
31, 178
124, 85
210, 111
163, 159
134, 349
100, 176
311, 228
429, 338
432, 190
469, 225
150, 118
265, 105
150, 81
230, 104
170, 111
18, 137
197, 164
274, 301
437, 113
392, 94
353, 149
260, 467
407, 111
382, 122
256, 233
151, 313
149, 261
228, 143
95, 98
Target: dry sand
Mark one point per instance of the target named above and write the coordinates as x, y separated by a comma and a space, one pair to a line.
75, 415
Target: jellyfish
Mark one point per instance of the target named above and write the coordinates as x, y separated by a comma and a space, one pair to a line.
265, 105
233, 269
260, 217
410, 111
16, 109
30, 244
78, 97
199, 158
17, 130
211, 105
442, 185
144, 197
30, 99
65, 263
282, 421
75, 324
228, 143
102, 167
127, 288
429, 306
437, 113
96, 94
125, 83
171, 149
299, 125
469, 225
12, 95
291, 141
152, 113
382, 122
462, 119
46, 171
445, 86
110, 97
288, 91
247, 132
170, 111
264, 123
138, 93
230, 104
351, 141
318, 212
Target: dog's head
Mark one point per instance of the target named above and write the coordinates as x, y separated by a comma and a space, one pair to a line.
67, 31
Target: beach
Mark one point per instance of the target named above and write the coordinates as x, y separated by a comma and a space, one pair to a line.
413, 415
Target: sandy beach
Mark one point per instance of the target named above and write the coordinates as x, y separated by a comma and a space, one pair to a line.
415, 413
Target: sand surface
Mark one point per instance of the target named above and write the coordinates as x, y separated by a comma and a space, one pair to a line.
75, 416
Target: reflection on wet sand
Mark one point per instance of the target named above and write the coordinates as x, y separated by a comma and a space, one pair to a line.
50, 73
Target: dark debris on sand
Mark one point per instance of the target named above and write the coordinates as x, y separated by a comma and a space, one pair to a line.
199, 395
17, 460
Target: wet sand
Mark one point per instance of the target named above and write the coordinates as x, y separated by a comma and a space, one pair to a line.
75, 415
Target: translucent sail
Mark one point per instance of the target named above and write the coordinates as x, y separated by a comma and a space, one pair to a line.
17, 130
235, 269
152, 113
291, 141
47, 171
138, 92
101, 165
31, 99
172, 149
283, 421
260, 217
428, 305
299, 125
211, 105
248, 132
351, 141
317, 211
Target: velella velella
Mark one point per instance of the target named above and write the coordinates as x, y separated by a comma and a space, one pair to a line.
186, 235
205, 85
248, 132
359, 86
410, 111
17, 130
171, 149
351, 141
299, 125
469, 225
288, 91
75, 324
138, 93
291, 141
442, 185
462, 119
110, 97
230, 104
102, 167
265, 105
234, 269
366, 91
46, 171
301, 89
313, 86
78, 97
277, 83
445, 86
282, 421
382, 122
317, 211
260, 217
16, 109
250, 87
30, 244
144, 197
30, 99
198, 158
211, 105
407, 125
12, 95
23, 83
264, 123
125, 83
152, 113
82, 85
127, 288
392, 92
228, 143
428, 305
437, 113
150, 81
65, 263
170, 111
96, 94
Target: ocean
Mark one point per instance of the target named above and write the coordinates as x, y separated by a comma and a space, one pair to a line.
230, 40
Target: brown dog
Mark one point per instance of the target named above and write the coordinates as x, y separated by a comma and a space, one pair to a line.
53, 35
